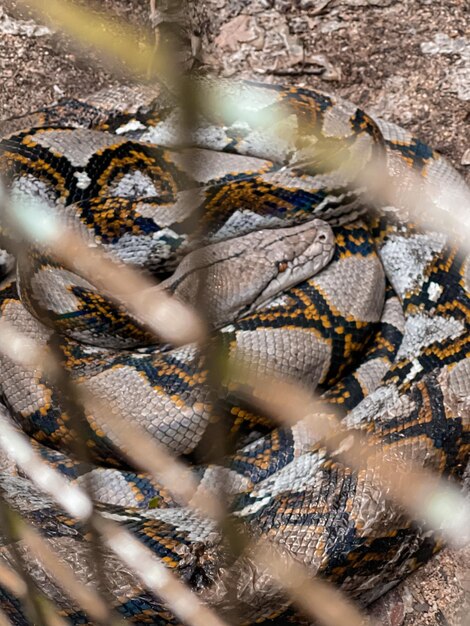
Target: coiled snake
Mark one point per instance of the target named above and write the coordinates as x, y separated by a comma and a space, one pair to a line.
382, 330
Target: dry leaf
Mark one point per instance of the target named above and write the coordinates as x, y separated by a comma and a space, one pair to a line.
242, 29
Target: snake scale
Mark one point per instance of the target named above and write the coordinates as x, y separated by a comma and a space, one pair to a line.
381, 330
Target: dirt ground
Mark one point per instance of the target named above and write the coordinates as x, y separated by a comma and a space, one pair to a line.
407, 61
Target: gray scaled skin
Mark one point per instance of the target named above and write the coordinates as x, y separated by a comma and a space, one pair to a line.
244, 273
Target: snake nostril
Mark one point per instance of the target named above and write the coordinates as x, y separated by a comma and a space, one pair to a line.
322, 237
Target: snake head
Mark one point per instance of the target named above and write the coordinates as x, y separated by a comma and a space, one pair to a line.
243, 273
293, 255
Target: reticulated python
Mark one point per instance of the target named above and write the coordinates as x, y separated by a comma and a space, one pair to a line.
382, 330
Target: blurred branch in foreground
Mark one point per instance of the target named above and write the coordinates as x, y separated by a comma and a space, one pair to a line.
118, 43
64, 576
37, 607
167, 317
432, 499
4, 621
152, 457
316, 598
426, 496
290, 404
153, 574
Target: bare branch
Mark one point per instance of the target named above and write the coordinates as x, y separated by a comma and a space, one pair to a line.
424, 494
318, 599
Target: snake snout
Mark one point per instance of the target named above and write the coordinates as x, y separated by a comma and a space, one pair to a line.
319, 252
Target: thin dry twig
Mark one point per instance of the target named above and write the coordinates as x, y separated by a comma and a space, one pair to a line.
290, 404
316, 598
165, 316
424, 494
351, 452
38, 608
4, 621
64, 576
153, 574
118, 43
144, 452
148, 455
10, 580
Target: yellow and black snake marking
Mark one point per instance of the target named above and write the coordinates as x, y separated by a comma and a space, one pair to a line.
382, 330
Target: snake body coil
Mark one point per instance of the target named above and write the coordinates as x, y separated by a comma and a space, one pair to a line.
382, 331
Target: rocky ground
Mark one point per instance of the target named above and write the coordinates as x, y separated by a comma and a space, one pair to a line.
406, 60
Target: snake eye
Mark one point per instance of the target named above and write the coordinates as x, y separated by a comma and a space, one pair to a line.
282, 266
